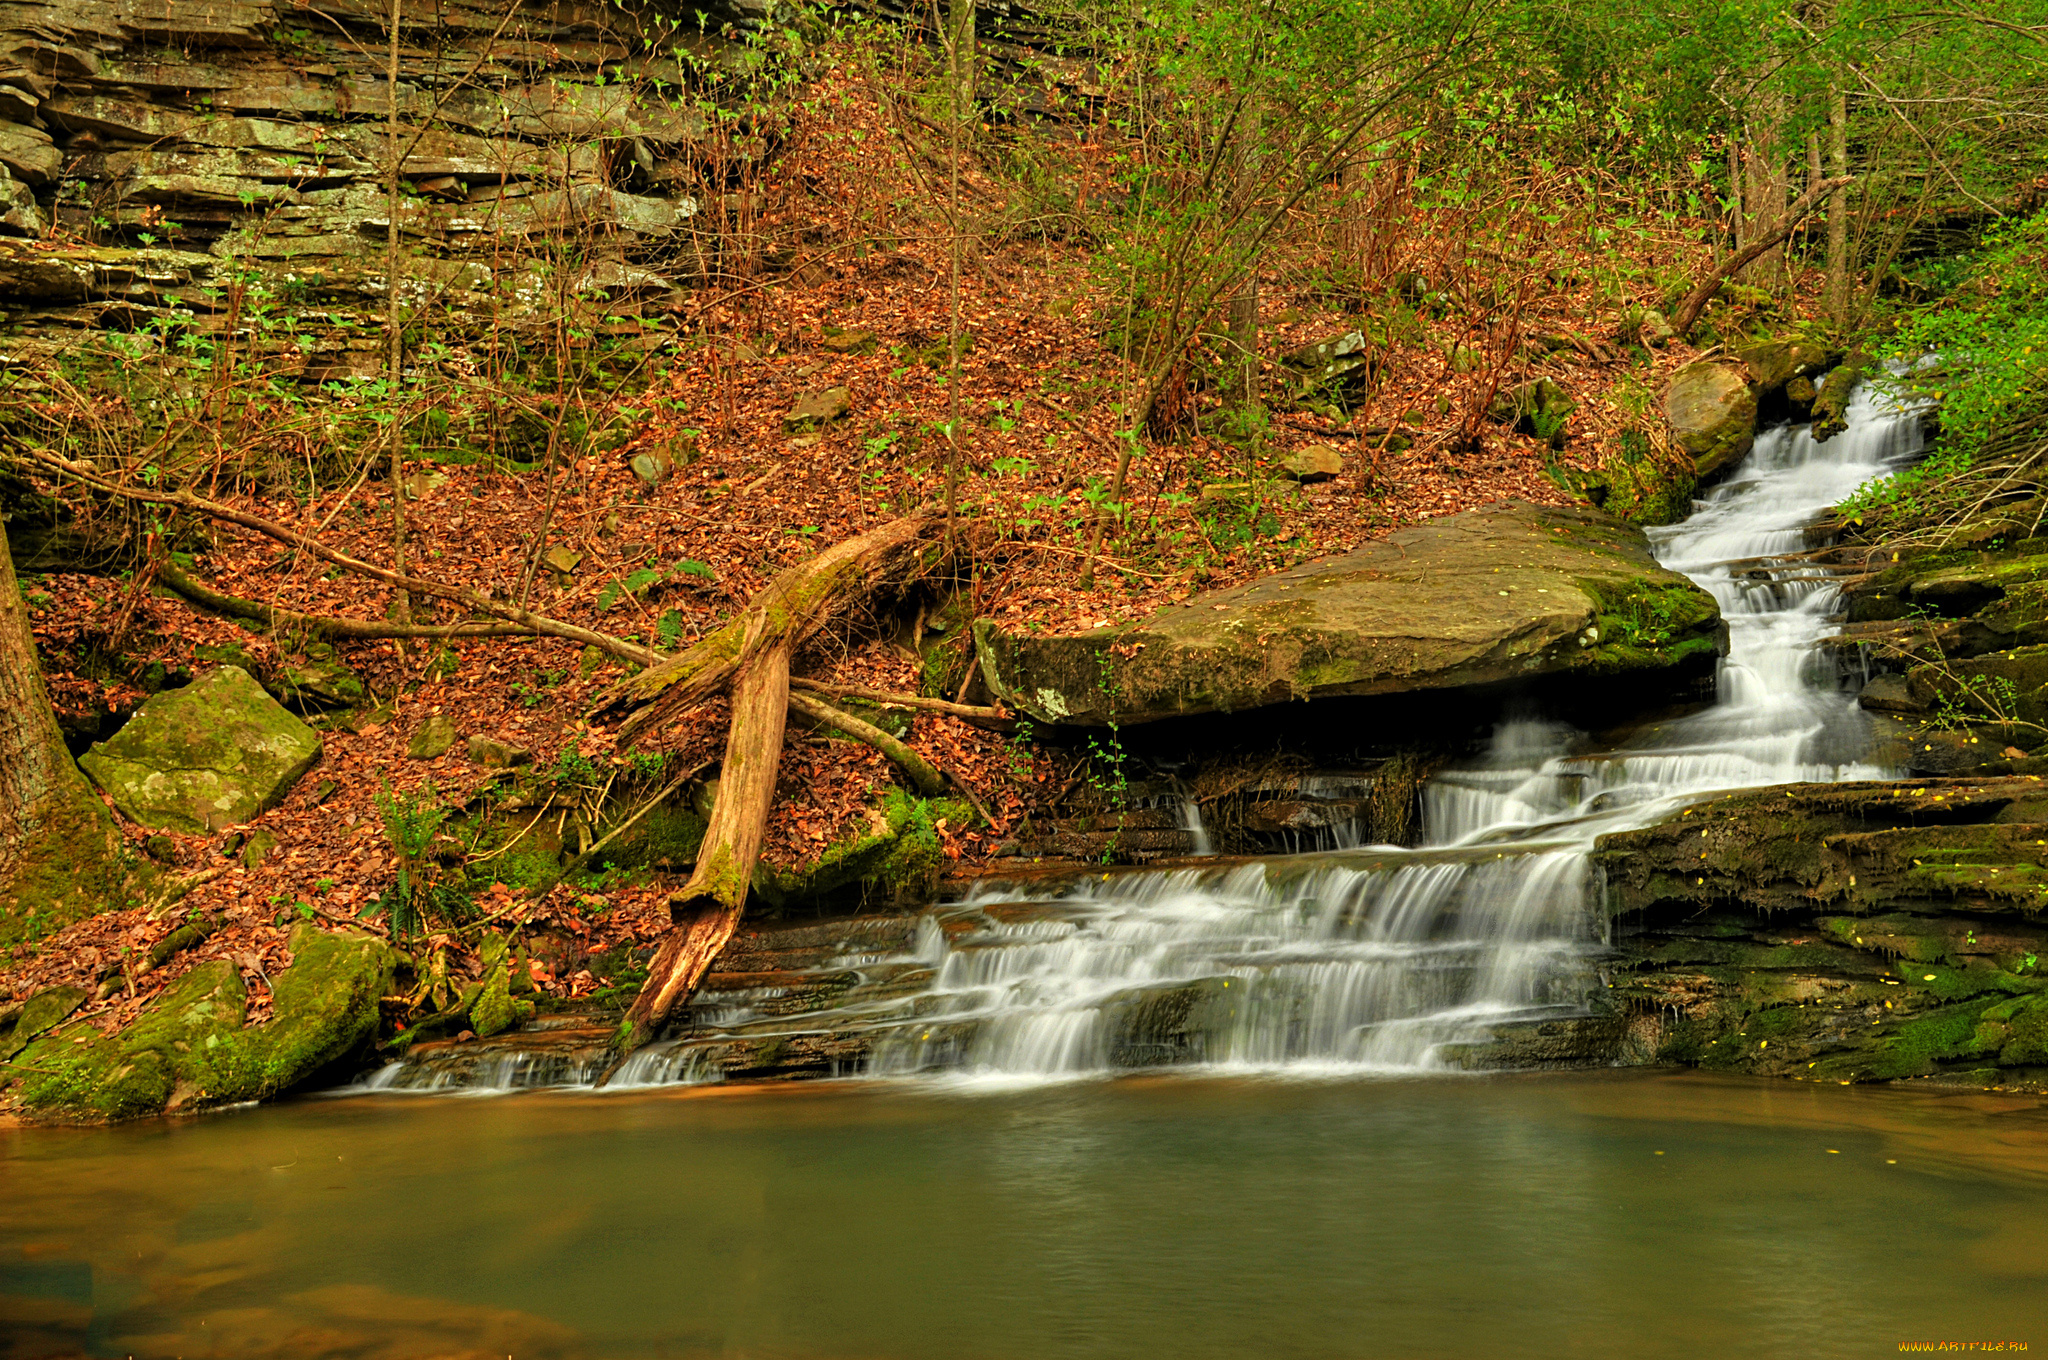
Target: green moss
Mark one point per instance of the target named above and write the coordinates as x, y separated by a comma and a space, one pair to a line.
1914, 1048
189, 1047
897, 858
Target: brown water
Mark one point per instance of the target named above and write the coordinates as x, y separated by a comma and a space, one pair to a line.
1641, 1214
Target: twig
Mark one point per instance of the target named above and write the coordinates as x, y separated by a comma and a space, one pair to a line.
186, 500
971, 712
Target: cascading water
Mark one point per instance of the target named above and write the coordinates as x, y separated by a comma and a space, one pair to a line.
1360, 958
1380, 965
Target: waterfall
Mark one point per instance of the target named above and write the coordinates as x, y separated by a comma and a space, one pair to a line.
1378, 959
1354, 957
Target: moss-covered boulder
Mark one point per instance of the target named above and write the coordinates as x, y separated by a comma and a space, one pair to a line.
895, 858
1712, 412
211, 755
190, 1049
1510, 592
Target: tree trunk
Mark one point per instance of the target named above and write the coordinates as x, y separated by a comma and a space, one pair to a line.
1243, 308
966, 59
708, 909
61, 857
1765, 191
1838, 210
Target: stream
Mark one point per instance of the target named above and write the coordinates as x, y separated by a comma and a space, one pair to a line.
1301, 1171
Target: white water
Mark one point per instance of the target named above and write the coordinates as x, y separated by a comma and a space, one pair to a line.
1324, 962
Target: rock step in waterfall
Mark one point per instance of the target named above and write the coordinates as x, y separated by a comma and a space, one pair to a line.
1483, 945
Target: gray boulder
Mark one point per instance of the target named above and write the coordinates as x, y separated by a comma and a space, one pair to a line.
1508, 592
1712, 411
211, 755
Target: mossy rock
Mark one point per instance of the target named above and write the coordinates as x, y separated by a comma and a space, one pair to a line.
1511, 592
896, 858
1713, 415
190, 1049
214, 754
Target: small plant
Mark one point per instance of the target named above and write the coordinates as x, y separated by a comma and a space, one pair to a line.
411, 821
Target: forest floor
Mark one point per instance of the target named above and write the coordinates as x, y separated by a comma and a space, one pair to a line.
1039, 393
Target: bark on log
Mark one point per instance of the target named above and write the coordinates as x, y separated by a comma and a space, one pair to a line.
927, 780
793, 607
708, 909
974, 713
1697, 300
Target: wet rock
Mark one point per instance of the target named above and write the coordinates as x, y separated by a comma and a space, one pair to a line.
493, 754
815, 409
1890, 694
1831, 402
432, 738
1774, 364
1863, 932
213, 754
1713, 415
1511, 591
1316, 463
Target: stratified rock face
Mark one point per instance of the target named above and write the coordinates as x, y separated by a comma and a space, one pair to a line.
166, 150
211, 755
1851, 932
1510, 592
1712, 413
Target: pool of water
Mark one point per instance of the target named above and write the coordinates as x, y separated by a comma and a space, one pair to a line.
1636, 1214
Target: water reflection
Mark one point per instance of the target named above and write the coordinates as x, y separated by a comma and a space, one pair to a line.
1157, 1216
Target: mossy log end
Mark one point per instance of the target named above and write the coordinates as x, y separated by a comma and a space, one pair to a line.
793, 607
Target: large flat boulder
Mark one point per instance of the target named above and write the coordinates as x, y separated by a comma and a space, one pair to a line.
211, 755
1509, 592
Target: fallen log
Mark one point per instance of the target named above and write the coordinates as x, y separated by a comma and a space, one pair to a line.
187, 500
1696, 301
196, 591
704, 915
974, 713
788, 612
752, 653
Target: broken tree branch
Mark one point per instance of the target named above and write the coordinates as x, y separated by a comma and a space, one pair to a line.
1696, 301
925, 779
793, 607
228, 514
320, 625
973, 713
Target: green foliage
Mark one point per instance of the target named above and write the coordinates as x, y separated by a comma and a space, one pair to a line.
1981, 352
416, 899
